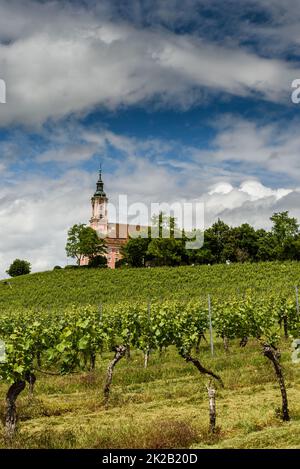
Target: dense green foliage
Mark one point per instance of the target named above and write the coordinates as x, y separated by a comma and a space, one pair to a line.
65, 340
19, 267
82, 242
61, 288
221, 243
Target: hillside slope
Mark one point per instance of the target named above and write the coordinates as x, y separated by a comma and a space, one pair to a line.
62, 288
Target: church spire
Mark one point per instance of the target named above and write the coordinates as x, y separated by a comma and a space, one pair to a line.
100, 185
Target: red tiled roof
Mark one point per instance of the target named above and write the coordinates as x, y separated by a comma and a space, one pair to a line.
121, 230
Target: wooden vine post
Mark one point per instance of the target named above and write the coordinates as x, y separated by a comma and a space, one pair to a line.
212, 406
210, 327
147, 351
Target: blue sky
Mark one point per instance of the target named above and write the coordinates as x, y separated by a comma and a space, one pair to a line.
180, 100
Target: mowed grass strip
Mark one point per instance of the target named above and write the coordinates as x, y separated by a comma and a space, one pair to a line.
163, 406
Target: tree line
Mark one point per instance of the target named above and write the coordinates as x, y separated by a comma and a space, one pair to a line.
222, 243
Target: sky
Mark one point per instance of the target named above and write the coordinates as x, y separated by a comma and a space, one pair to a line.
184, 101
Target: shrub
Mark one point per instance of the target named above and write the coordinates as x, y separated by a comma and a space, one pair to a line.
98, 261
121, 263
19, 267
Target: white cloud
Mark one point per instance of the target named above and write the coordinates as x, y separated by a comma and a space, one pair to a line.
68, 154
257, 191
240, 147
66, 61
35, 215
250, 202
221, 188
271, 147
58, 58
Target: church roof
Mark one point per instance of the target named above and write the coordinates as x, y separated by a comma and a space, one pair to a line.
100, 187
122, 231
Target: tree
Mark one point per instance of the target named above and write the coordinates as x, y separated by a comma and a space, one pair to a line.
83, 242
284, 227
246, 239
135, 251
291, 250
266, 246
19, 267
98, 261
201, 256
167, 246
167, 251
241, 245
165, 226
217, 239
159, 224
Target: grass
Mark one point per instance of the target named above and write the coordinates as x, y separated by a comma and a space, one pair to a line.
164, 406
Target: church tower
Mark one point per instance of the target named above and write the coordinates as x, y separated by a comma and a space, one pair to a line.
99, 220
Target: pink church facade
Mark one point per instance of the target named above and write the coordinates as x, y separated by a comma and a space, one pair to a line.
115, 234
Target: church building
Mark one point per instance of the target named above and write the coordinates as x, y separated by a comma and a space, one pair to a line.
115, 234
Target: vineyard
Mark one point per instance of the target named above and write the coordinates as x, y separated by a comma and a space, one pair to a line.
191, 350
62, 288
